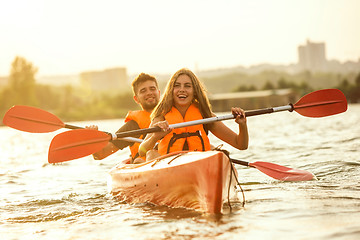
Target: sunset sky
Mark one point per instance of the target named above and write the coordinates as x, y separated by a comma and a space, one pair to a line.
161, 36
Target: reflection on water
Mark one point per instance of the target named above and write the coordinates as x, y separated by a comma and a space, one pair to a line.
70, 200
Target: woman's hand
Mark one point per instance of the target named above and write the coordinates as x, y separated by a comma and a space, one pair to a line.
151, 138
240, 115
165, 129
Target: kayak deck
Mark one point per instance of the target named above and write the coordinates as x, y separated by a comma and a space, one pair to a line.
194, 180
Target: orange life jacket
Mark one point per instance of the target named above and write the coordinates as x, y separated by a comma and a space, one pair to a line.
142, 118
195, 136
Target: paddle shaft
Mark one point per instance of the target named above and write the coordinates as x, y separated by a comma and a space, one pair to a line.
203, 121
241, 162
317, 104
72, 126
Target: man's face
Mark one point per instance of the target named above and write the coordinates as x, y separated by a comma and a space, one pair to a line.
147, 95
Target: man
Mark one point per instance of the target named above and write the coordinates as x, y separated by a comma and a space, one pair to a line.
146, 94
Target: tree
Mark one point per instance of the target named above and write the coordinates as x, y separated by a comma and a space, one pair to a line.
282, 83
244, 88
355, 91
22, 82
345, 87
268, 86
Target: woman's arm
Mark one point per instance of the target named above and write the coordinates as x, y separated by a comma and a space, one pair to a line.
152, 138
239, 141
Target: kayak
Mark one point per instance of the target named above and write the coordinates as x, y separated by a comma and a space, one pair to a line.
192, 180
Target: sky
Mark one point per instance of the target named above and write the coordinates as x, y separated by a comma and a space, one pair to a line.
62, 37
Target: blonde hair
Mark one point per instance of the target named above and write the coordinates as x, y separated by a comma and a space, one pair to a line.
200, 97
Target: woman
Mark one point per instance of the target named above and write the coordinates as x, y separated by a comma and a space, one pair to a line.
185, 100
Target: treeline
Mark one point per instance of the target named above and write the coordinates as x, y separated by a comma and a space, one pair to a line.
301, 88
302, 83
67, 102
351, 91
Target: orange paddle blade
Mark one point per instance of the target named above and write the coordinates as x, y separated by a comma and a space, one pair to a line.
281, 172
31, 119
321, 103
277, 171
76, 144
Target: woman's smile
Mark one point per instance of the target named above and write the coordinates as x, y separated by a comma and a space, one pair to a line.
183, 91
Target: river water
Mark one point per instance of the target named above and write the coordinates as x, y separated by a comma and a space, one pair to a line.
70, 200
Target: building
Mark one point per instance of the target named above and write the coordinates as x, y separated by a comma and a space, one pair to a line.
109, 80
312, 57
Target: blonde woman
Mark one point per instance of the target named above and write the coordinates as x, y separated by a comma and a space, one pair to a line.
185, 99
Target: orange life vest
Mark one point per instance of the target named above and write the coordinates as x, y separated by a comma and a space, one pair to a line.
142, 118
195, 136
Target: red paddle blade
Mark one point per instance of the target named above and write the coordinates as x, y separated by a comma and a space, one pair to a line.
321, 103
31, 119
76, 144
282, 173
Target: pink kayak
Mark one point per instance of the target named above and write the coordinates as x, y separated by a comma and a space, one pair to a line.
193, 180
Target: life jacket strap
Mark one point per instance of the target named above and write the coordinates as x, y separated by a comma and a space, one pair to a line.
185, 135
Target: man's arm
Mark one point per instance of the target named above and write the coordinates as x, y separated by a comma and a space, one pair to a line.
115, 145
128, 126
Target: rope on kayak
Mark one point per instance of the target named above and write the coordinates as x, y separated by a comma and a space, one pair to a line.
232, 171
179, 155
238, 183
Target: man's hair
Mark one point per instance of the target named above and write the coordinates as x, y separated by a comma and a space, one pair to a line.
143, 77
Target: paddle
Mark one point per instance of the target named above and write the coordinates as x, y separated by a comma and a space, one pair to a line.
320, 103
277, 171
36, 120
